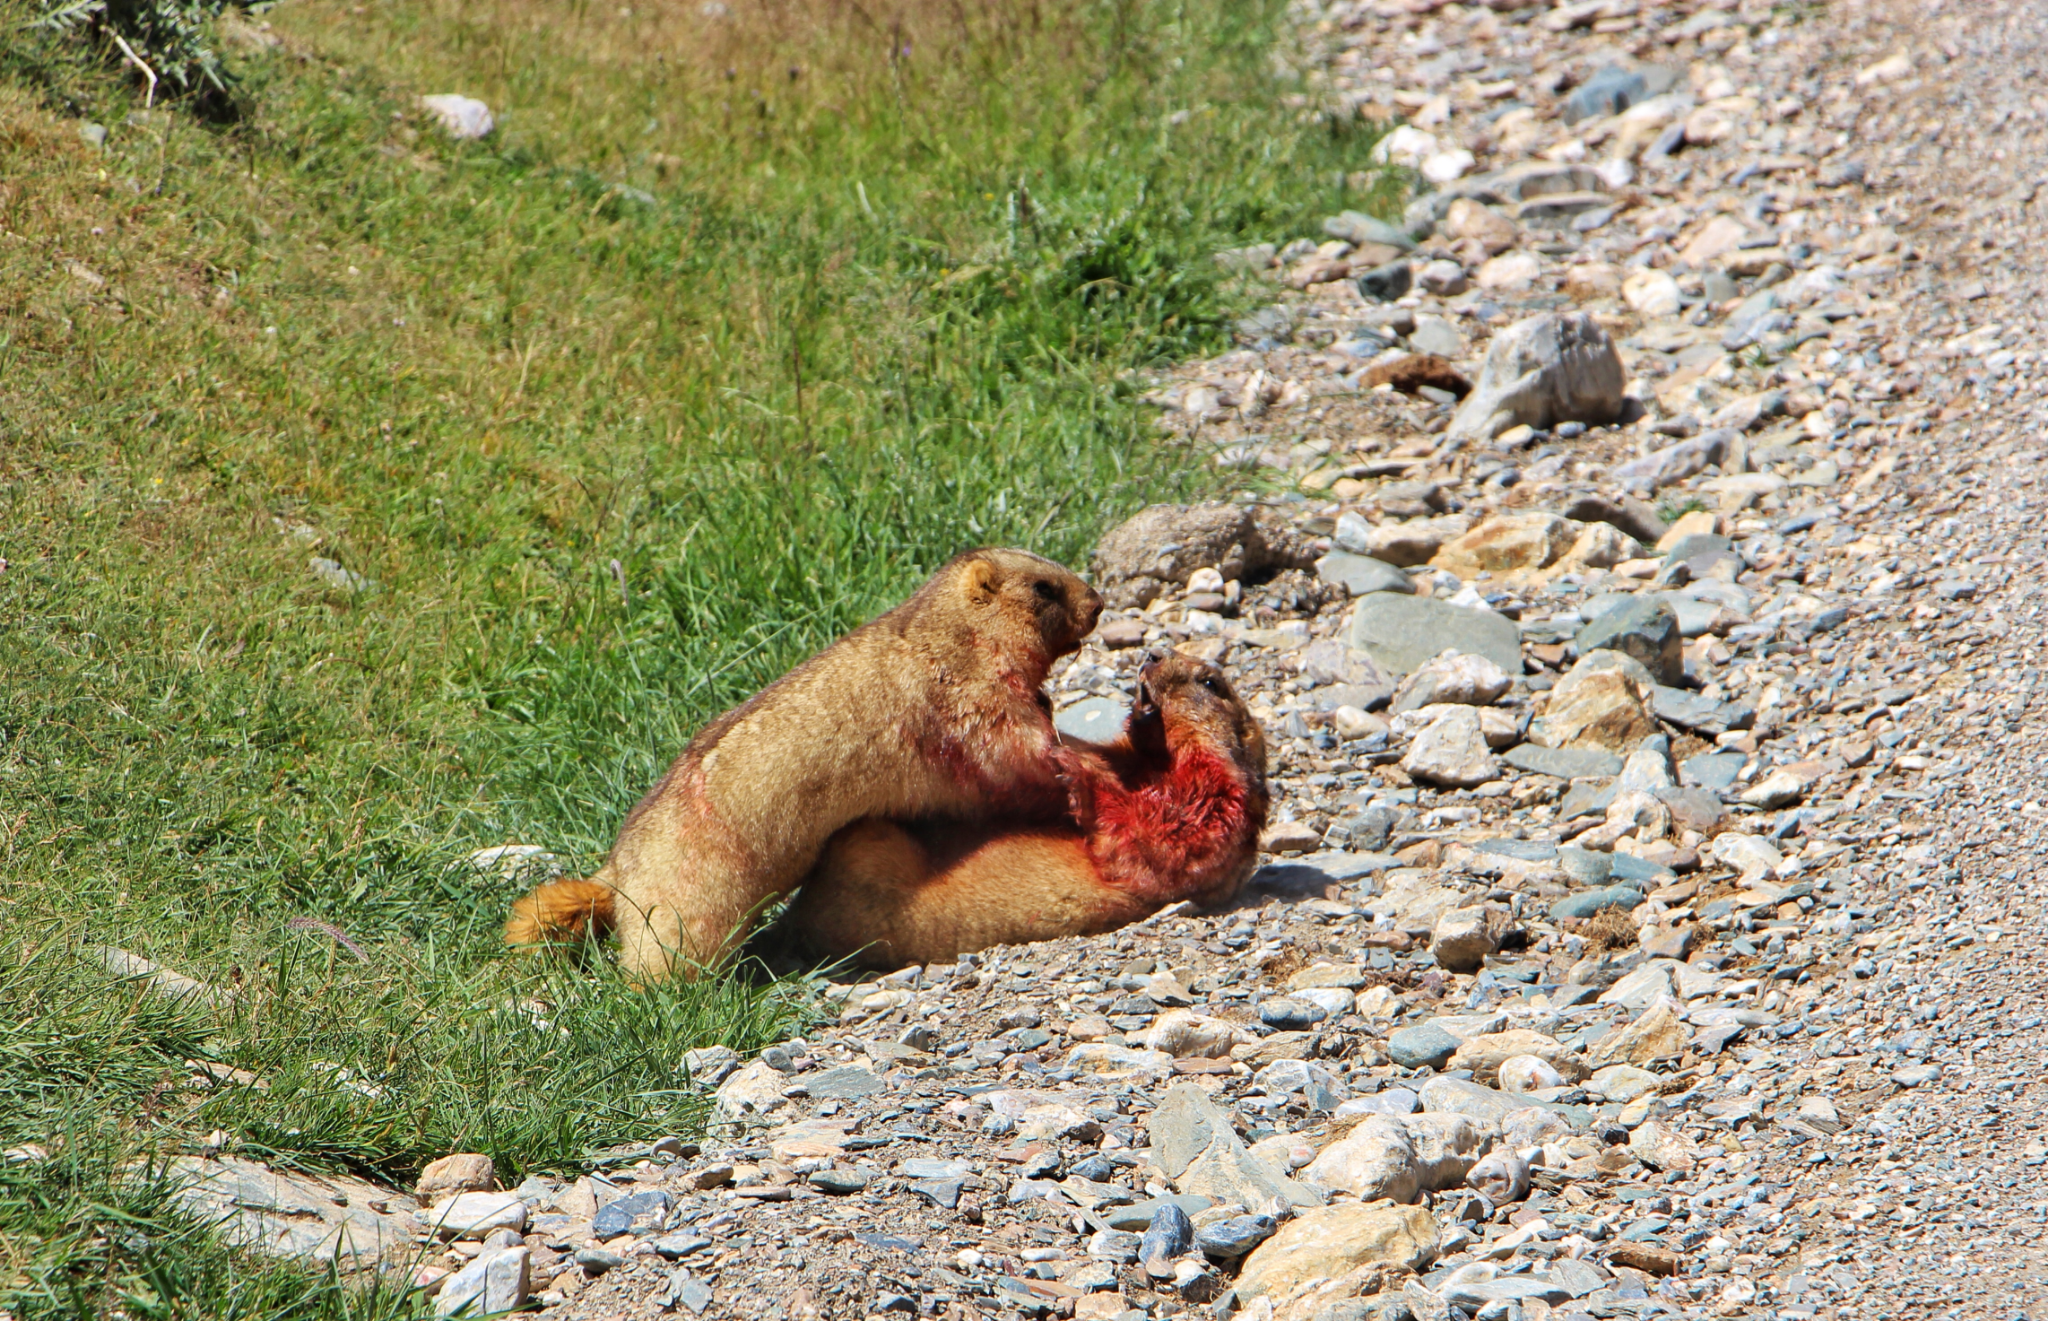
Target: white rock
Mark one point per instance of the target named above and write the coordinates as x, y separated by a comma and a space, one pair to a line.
1447, 1145
753, 1092
1622, 1082
1753, 857
1184, 1034
1453, 677
1445, 166
473, 1215
1406, 145
1375, 1159
1521, 1074
494, 1283
462, 117
1452, 751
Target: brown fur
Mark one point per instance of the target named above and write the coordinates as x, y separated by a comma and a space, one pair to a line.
887, 894
934, 708
1411, 373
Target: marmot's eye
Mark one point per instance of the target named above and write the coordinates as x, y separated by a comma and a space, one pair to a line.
1046, 591
1214, 684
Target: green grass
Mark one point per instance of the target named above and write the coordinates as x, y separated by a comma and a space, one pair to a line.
735, 328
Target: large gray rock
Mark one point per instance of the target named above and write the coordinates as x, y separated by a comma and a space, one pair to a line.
1163, 544
1556, 367
1194, 1142
1424, 1045
1401, 633
1096, 719
307, 1217
1645, 629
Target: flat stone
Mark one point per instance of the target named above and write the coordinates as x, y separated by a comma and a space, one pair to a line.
1590, 798
1332, 1241
1361, 574
494, 1283
838, 1182
1135, 1218
1401, 633
1424, 1045
1714, 770
1696, 712
1452, 750
1585, 866
1096, 719
1588, 903
939, 1192
1196, 1145
641, 1210
1564, 763
305, 1217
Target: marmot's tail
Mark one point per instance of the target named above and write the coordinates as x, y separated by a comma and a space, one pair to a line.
562, 911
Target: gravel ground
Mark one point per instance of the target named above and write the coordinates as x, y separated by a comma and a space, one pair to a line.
1706, 994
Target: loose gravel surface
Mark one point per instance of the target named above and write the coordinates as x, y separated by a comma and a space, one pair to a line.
1670, 950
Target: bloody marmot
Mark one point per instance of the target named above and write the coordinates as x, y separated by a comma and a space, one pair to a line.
1170, 811
932, 709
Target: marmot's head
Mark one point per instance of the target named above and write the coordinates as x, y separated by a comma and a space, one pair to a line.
1183, 704
1025, 603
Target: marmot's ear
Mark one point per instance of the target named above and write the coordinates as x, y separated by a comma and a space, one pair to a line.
980, 581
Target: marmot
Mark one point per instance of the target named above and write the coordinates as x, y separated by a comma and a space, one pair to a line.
932, 709
1170, 811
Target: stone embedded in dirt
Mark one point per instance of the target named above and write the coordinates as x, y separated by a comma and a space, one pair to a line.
1548, 369
1163, 545
473, 1215
1402, 633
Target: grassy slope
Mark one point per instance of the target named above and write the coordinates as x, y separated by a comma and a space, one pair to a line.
736, 327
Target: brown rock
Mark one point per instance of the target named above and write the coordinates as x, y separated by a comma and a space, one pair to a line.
1411, 373
1598, 706
464, 1172
1660, 1034
1503, 542
1334, 1240
1491, 230
1649, 1260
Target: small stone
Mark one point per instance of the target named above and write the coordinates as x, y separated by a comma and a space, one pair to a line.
1658, 1034
461, 117
1503, 543
462, 1173
838, 1182
493, 1283
1652, 294
632, 1212
1464, 937
1445, 279
1548, 369
1467, 220
1289, 837
1360, 574
1169, 1235
596, 1261
1290, 1014
1603, 703
1093, 719
1385, 283
1645, 629
473, 1215
1586, 904
1564, 763
1501, 1178
1236, 1236
1423, 1046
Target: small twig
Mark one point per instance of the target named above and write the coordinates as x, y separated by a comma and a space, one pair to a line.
149, 97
